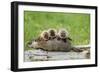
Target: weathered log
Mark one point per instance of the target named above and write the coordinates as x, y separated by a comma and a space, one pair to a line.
80, 48
40, 55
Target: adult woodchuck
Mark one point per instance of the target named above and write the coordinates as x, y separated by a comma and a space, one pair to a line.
49, 42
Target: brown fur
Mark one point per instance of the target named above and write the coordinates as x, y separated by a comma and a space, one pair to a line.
63, 35
49, 41
52, 34
44, 36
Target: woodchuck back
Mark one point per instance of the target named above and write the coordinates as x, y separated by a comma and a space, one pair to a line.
51, 45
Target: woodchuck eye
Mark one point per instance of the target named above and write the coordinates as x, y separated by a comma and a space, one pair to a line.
52, 33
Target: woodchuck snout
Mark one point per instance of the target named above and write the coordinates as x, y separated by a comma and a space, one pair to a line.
52, 40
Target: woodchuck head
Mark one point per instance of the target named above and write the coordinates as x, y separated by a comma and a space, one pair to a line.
44, 36
52, 33
39, 42
63, 35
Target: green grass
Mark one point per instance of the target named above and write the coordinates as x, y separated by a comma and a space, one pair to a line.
78, 25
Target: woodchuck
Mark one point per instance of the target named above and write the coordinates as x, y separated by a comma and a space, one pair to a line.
50, 45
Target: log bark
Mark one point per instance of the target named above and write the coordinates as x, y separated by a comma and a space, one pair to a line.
83, 54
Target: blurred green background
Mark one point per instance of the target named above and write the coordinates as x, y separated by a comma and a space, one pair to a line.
77, 24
